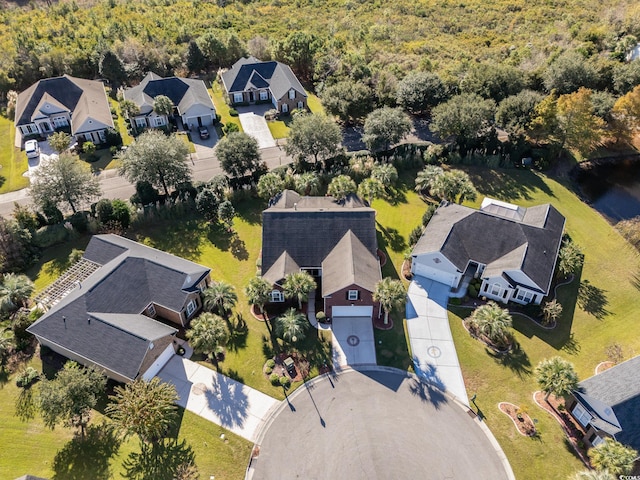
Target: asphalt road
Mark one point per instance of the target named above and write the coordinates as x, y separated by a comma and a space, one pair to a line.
115, 186
375, 424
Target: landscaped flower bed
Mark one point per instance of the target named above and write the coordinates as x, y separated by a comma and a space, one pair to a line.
520, 419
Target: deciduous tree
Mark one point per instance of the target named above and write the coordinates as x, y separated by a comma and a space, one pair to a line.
515, 112
384, 127
313, 136
60, 141
112, 68
465, 117
64, 180
418, 92
348, 100
238, 154
569, 72
157, 159
582, 130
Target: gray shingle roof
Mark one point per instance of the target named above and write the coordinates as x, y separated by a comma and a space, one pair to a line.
349, 263
251, 72
615, 395
83, 98
309, 228
183, 92
282, 267
131, 277
526, 239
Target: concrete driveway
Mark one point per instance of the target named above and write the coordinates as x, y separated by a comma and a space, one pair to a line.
204, 147
352, 342
254, 124
377, 423
434, 353
218, 398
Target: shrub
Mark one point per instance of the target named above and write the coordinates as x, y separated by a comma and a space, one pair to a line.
415, 235
285, 382
428, 214
321, 316
230, 128
88, 148
268, 370
270, 363
50, 235
274, 378
27, 377
79, 221
472, 291
233, 112
455, 301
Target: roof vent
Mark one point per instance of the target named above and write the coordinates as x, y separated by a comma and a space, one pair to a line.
295, 206
89, 320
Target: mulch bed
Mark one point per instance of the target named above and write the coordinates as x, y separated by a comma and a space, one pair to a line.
380, 325
571, 428
521, 420
604, 366
382, 257
489, 344
406, 270
302, 367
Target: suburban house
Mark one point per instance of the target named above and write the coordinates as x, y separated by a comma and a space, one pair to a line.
512, 249
75, 105
192, 103
109, 317
251, 81
333, 241
607, 405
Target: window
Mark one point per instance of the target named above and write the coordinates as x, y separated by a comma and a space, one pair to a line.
238, 98
191, 307
141, 122
300, 105
597, 441
264, 95
292, 94
159, 121
277, 296
352, 295
523, 296
151, 310
496, 290
285, 108
581, 415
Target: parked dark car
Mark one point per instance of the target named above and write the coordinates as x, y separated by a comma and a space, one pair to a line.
204, 132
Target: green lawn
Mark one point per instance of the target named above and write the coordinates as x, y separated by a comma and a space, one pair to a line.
314, 104
120, 123
187, 141
13, 161
279, 128
222, 109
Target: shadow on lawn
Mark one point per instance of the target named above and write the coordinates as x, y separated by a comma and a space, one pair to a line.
164, 460
593, 300
516, 360
86, 458
508, 185
181, 237
238, 332
390, 237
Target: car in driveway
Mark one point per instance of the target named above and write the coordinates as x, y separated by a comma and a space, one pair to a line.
204, 132
32, 149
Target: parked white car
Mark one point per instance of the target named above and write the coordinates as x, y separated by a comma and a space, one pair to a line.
32, 149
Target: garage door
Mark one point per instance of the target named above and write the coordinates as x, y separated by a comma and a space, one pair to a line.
352, 311
159, 363
435, 274
202, 120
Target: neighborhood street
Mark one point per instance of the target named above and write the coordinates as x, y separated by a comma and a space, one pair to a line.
203, 168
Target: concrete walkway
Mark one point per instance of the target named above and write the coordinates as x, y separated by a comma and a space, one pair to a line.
218, 398
434, 353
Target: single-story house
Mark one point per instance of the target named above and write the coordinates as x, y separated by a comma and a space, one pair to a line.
512, 249
189, 96
333, 241
607, 405
251, 81
110, 319
64, 103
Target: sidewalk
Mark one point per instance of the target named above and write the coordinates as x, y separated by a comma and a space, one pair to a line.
218, 398
434, 353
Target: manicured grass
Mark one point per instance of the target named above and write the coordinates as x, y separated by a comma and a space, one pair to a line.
120, 123
187, 141
13, 161
31, 447
105, 160
217, 94
278, 128
314, 103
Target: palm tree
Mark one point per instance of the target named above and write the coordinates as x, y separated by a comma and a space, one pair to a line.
207, 333
614, 457
298, 285
370, 188
592, 475
220, 297
142, 408
556, 375
385, 173
163, 105
291, 326
5, 347
307, 183
570, 258
552, 310
341, 186
258, 292
15, 291
491, 321
426, 178
391, 294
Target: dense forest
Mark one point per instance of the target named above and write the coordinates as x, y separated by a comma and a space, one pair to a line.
325, 40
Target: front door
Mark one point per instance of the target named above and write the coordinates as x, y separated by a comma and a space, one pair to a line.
285, 108
199, 121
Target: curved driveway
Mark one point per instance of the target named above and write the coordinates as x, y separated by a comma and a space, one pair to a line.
375, 424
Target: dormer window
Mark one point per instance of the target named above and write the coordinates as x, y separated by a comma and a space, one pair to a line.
151, 310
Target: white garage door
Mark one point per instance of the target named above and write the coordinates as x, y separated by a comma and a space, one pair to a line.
352, 311
205, 120
159, 363
435, 274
